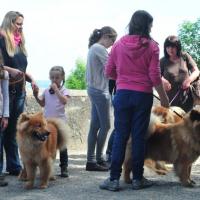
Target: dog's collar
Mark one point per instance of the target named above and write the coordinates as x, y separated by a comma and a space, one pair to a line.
40, 136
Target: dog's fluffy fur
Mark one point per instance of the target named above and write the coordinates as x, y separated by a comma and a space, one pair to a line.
159, 115
38, 139
177, 144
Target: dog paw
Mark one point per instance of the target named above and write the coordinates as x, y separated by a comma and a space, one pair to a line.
43, 186
23, 176
192, 182
188, 184
128, 181
52, 178
161, 172
28, 186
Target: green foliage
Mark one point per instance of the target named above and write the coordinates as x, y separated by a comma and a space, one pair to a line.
76, 80
189, 34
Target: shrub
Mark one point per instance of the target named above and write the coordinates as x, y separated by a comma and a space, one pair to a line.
76, 79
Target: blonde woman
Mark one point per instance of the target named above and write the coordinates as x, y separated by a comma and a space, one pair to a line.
14, 58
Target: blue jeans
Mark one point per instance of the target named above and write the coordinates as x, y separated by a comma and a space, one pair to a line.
16, 106
99, 124
132, 114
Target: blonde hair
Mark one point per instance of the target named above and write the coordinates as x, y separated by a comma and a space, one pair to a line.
7, 32
59, 69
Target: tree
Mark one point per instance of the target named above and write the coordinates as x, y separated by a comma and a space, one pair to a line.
76, 80
189, 34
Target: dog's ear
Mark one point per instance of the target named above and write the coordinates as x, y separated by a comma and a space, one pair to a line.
23, 117
22, 126
194, 115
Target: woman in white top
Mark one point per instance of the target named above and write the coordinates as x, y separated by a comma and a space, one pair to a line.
4, 114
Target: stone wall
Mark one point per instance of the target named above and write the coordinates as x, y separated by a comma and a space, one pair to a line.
78, 115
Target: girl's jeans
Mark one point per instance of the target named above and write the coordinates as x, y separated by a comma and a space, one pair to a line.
99, 124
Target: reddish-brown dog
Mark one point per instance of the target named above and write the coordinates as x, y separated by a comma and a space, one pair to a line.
177, 144
38, 139
159, 115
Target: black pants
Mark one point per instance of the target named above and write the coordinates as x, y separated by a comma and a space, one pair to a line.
64, 158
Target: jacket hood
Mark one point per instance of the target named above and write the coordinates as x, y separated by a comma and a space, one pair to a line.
134, 45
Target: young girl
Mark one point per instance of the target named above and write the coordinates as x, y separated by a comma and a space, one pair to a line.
4, 114
97, 88
53, 100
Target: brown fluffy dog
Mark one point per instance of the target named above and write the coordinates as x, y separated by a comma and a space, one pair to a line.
159, 115
177, 144
38, 139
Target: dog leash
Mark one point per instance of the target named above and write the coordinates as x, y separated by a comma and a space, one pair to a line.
170, 108
174, 97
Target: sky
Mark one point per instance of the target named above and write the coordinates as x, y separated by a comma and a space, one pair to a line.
57, 31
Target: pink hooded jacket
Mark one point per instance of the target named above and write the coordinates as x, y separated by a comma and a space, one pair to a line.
134, 64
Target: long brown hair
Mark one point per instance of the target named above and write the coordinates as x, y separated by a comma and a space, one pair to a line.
98, 33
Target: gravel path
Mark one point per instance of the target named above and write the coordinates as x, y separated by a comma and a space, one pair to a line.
83, 185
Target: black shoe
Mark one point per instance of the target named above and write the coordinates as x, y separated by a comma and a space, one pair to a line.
3, 183
140, 184
95, 167
104, 164
64, 172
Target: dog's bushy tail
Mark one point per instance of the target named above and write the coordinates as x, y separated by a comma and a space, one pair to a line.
154, 120
62, 138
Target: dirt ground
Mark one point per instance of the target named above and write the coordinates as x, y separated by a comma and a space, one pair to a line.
83, 185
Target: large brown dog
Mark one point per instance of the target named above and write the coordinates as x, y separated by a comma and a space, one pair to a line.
177, 144
159, 114
38, 139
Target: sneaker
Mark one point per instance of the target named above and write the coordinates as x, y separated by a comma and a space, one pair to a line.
3, 183
110, 185
140, 184
64, 172
95, 167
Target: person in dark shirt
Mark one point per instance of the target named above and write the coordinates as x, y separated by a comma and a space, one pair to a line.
178, 70
14, 57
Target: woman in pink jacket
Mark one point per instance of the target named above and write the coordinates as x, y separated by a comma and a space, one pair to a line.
134, 64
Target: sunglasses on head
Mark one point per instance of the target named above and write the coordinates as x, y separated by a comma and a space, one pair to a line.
172, 39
